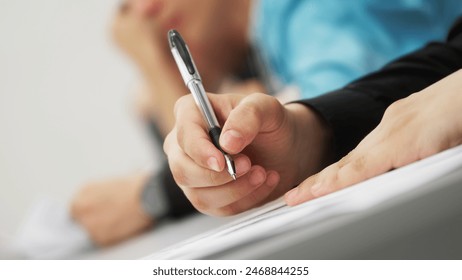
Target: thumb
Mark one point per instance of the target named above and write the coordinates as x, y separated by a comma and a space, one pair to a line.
254, 114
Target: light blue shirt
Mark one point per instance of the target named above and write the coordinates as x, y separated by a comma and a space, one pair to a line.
321, 45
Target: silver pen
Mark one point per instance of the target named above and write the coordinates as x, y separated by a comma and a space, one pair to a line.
193, 81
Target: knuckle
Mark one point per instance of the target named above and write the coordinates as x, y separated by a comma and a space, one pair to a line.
168, 142
267, 99
344, 161
76, 209
179, 174
214, 178
199, 203
395, 108
257, 95
314, 179
80, 205
359, 163
329, 175
180, 103
100, 237
273, 103
80, 209
227, 210
180, 136
249, 110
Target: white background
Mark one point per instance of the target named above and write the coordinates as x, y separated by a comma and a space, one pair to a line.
66, 104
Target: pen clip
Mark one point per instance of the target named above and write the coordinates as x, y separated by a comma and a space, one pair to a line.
182, 56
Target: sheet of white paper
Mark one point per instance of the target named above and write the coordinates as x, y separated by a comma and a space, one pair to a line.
49, 232
276, 218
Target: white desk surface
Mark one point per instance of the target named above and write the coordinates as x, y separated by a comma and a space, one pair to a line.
423, 226
163, 236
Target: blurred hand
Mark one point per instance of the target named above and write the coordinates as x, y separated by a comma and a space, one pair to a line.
111, 210
413, 128
137, 33
140, 29
267, 140
145, 7
242, 87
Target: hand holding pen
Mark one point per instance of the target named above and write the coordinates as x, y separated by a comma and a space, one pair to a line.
274, 147
193, 81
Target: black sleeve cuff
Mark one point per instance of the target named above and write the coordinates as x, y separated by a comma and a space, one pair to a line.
179, 205
351, 116
162, 198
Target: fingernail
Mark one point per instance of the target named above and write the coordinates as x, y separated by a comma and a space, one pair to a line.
213, 164
291, 196
316, 189
232, 140
257, 177
272, 178
243, 165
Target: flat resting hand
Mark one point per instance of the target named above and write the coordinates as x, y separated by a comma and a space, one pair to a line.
111, 210
274, 146
412, 128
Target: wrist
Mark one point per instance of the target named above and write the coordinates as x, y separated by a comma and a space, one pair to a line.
313, 138
164, 86
152, 62
156, 64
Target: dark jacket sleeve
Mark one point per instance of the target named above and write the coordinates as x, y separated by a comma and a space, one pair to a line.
353, 111
177, 203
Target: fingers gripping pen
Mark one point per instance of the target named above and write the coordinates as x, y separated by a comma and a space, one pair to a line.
193, 81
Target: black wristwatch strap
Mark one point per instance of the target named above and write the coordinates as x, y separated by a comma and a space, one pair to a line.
161, 197
154, 201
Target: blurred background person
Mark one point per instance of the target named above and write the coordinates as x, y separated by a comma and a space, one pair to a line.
289, 49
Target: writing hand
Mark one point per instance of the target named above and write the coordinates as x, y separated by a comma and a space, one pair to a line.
267, 140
